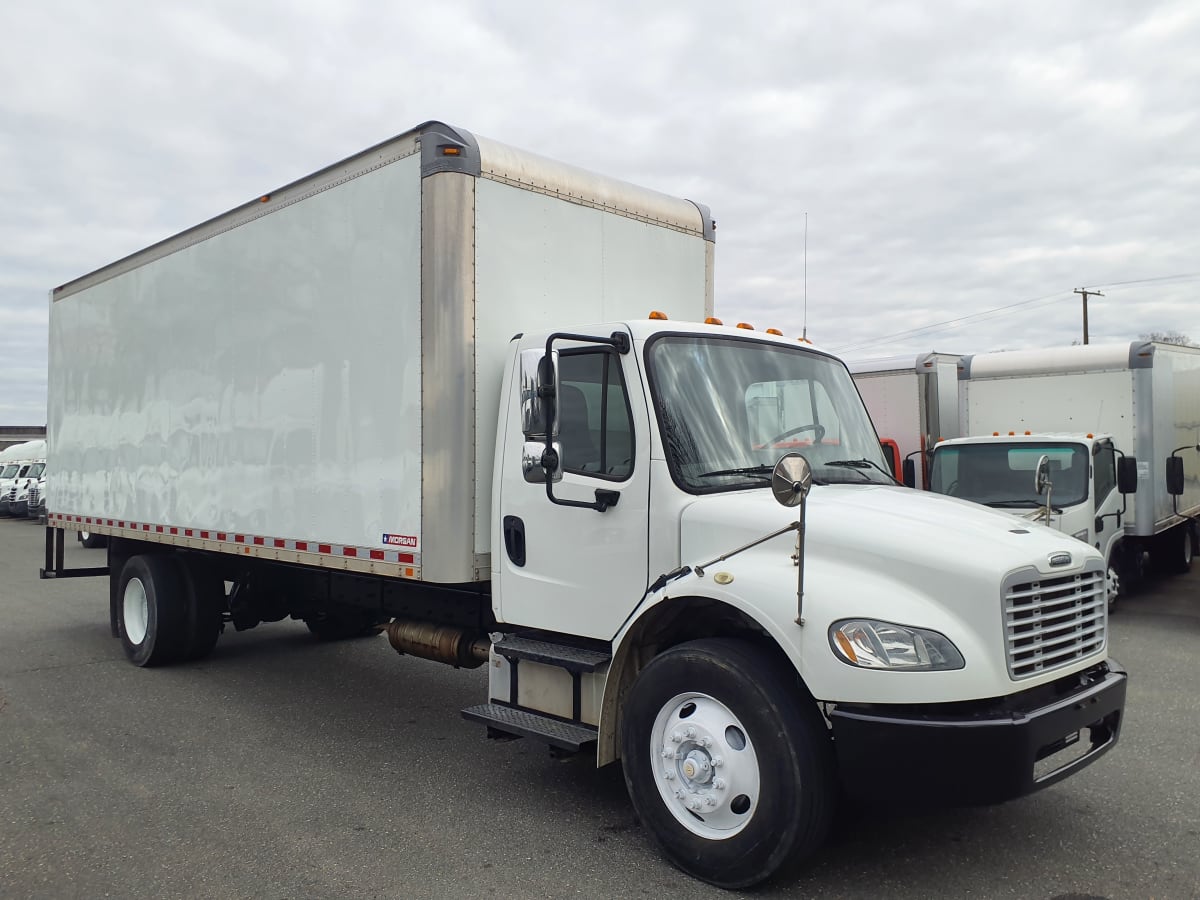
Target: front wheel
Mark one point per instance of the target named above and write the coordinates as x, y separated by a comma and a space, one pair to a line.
727, 761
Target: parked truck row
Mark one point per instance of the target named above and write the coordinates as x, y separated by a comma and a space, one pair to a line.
672, 543
1117, 427
23, 479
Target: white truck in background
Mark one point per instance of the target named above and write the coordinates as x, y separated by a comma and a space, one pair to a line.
1119, 428
20, 466
914, 404
599, 506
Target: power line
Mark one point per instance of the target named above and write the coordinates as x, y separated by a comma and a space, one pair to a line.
989, 313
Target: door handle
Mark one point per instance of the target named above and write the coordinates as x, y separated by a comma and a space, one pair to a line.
514, 539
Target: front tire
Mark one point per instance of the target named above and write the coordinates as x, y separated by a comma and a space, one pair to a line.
151, 612
727, 761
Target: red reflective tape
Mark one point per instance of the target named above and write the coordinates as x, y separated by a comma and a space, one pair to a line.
324, 548
280, 542
301, 545
258, 541
159, 529
204, 535
187, 532
239, 539
220, 535
406, 558
349, 551
174, 531
376, 554
145, 528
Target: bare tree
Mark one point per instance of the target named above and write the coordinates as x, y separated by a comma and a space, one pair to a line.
1168, 337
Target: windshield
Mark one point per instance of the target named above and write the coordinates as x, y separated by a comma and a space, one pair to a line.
730, 407
10, 470
1002, 475
36, 470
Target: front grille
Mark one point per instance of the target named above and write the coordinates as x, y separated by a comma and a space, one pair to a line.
34, 496
1053, 622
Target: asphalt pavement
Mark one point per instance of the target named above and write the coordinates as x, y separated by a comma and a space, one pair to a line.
285, 768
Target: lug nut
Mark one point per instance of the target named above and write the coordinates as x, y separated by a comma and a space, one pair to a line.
719, 784
676, 737
717, 762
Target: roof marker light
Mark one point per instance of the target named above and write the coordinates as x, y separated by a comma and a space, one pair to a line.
1012, 434
713, 320
775, 331
1090, 435
995, 434
1027, 433
265, 198
448, 150
745, 325
655, 314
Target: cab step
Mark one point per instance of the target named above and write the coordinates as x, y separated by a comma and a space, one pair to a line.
568, 736
565, 656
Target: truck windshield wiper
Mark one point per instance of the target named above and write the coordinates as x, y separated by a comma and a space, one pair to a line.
759, 471
1013, 504
863, 463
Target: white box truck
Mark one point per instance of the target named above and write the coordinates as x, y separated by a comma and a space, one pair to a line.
913, 403
1119, 426
381, 397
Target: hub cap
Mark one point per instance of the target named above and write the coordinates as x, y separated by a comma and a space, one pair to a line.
136, 612
707, 770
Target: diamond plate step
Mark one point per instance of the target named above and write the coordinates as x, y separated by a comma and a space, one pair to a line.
573, 659
564, 735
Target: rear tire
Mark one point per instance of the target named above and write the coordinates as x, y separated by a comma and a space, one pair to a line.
205, 600
91, 541
1173, 550
727, 761
151, 610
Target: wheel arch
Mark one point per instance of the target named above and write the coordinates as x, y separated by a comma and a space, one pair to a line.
668, 623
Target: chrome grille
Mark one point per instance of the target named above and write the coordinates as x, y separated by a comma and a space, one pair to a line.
34, 496
1052, 622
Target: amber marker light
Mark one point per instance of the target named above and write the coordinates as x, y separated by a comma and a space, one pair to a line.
775, 331
451, 151
745, 325
265, 198
847, 647
713, 320
655, 314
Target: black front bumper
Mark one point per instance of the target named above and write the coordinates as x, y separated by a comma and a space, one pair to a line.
967, 754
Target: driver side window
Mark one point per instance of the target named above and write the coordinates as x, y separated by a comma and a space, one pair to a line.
1104, 468
594, 421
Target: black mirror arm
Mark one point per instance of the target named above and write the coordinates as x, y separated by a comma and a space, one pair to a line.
605, 499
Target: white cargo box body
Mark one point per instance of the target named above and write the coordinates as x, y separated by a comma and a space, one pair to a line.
912, 401
315, 376
1146, 395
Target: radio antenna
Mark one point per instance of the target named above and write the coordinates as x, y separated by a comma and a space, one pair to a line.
804, 333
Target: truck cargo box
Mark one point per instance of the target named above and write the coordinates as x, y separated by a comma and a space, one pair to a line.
314, 376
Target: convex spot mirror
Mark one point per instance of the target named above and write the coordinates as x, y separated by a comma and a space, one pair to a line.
1041, 477
791, 479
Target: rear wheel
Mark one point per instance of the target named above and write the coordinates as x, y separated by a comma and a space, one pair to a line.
204, 593
151, 612
90, 540
728, 763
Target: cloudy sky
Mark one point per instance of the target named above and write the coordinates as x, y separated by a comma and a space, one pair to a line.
963, 166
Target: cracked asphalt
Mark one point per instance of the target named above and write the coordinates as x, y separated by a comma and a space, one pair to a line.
284, 768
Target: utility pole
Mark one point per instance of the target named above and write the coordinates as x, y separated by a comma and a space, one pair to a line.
1085, 292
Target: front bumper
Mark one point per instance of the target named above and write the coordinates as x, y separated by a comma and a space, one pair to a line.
968, 754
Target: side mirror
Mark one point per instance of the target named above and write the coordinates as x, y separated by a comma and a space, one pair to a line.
910, 473
539, 393
1175, 475
1041, 476
1127, 474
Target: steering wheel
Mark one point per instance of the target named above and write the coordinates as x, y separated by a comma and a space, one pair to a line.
817, 430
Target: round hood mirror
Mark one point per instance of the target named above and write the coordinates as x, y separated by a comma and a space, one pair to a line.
791, 479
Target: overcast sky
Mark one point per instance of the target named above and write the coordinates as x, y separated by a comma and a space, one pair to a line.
953, 158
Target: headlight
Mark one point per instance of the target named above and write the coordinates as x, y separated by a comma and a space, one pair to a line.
1081, 535
869, 644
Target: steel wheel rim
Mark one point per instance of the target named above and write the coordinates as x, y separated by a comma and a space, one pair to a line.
705, 766
136, 611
